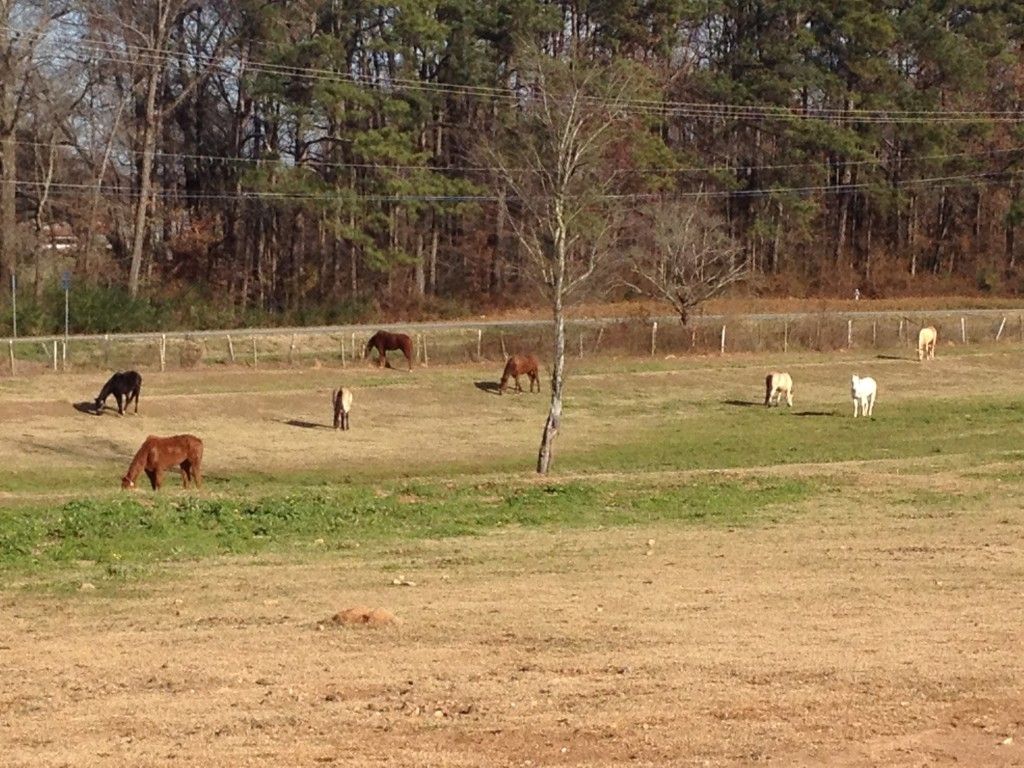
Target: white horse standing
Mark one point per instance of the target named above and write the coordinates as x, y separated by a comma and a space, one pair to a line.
863, 392
342, 401
777, 384
926, 339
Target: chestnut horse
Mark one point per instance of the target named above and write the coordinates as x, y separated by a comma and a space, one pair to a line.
160, 453
342, 399
126, 384
516, 366
384, 342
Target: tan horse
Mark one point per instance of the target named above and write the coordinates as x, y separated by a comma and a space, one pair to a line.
516, 366
926, 343
777, 384
160, 453
342, 399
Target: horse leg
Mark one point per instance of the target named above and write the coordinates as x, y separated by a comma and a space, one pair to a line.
789, 399
519, 386
151, 474
120, 408
186, 473
345, 417
136, 393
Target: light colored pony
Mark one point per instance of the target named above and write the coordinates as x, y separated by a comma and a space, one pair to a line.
342, 401
863, 392
926, 339
777, 384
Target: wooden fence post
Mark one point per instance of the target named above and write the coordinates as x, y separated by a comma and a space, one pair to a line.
479, 343
504, 352
874, 333
342, 354
849, 334
1001, 326
106, 349
426, 360
581, 345
291, 350
10, 346
785, 336
597, 344
963, 330
354, 355
255, 354
654, 337
163, 351
64, 354
231, 349
723, 340
54, 355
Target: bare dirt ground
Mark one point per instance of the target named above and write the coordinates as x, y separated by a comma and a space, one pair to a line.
854, 638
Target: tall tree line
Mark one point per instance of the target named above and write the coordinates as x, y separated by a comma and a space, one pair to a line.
285, 156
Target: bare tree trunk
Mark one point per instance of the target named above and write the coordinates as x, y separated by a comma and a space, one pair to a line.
551, 425
145, 182
8, 220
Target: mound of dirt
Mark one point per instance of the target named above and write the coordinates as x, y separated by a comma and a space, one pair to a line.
361, 615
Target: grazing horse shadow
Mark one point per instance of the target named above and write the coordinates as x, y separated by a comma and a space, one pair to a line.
304, 424
891, 357
88, 407
815, 413
740, 403
488, 386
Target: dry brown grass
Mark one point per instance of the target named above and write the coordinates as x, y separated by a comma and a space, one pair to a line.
866, 638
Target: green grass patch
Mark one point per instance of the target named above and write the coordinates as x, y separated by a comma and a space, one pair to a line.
118, 536
728, 435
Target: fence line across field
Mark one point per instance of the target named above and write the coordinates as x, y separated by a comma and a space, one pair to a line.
494, 340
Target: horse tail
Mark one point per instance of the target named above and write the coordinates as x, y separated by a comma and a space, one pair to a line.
768, 388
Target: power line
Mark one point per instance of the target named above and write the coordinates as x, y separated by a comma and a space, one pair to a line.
668, 170
156, 56
79, 190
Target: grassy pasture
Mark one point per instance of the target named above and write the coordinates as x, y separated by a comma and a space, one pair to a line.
703, 581
437, 453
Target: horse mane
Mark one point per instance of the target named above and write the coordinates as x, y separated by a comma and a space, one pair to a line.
139, 460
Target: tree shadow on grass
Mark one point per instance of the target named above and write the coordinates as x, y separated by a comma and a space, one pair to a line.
488, 386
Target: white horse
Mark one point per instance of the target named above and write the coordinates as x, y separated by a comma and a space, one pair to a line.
777, 384
342, 401
863, 392
926, 343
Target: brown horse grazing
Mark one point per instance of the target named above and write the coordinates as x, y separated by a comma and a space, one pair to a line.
342, 399
516, 366
160, 453
384, 342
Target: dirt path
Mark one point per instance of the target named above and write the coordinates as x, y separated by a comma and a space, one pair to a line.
852, 638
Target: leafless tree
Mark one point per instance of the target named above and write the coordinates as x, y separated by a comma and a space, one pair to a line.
683, 255
23, 26
559, 167
169, 49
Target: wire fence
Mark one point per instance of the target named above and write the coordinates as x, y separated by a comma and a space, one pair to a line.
454, 343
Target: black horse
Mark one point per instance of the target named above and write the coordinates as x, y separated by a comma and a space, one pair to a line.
123, 384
